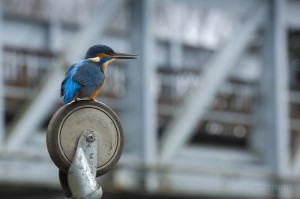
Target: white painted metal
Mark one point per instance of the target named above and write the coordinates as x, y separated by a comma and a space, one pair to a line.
235, 6
54, 37
195, 105
29, 171
292, 15
141, 92
2, 95
149, 92
37, 110
281, 90
44, 101
276, 90
19, 93
195, 170
175, 55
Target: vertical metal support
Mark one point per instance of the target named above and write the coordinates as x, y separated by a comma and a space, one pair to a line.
276, 89
2, 94
149, 92
140, 120
276, 95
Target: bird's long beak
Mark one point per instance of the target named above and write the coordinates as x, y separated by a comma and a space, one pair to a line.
124, 56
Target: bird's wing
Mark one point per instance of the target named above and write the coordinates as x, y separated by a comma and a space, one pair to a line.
62, 88
89, 76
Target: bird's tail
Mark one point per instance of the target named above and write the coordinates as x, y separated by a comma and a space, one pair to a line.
70, 90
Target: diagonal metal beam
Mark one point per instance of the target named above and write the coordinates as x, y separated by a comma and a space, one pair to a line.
181, 128
43, 103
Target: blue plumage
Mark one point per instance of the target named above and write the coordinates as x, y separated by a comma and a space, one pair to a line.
82, 80
93, 51
71, 87
85, 78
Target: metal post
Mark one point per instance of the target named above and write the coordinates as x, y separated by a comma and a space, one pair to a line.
276, 95
140, 120
82, 172
2, 109
276, 89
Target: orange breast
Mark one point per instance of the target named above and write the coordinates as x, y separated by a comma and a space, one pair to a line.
94, 95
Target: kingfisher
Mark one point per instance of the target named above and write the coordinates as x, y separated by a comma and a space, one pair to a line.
85, 78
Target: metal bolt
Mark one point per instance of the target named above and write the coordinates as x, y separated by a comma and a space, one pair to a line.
90, 137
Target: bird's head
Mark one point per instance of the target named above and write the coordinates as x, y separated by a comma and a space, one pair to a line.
106, 54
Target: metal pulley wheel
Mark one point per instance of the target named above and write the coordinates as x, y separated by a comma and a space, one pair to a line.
71, 120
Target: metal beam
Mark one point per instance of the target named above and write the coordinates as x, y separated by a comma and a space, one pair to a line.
2, 94
43, 103
54, 36
18, 92
181, 128
275, 87
30, 171
231, 6
141, 91
293, 14
176, 54
149, 93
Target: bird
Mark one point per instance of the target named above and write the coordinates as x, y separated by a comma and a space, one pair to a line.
85, 78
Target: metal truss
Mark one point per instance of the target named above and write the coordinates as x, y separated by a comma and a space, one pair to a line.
162, 166
48, 94
181, 128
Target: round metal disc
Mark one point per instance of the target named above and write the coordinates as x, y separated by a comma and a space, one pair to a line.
70, 121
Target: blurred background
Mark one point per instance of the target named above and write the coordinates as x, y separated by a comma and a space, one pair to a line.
210, 110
